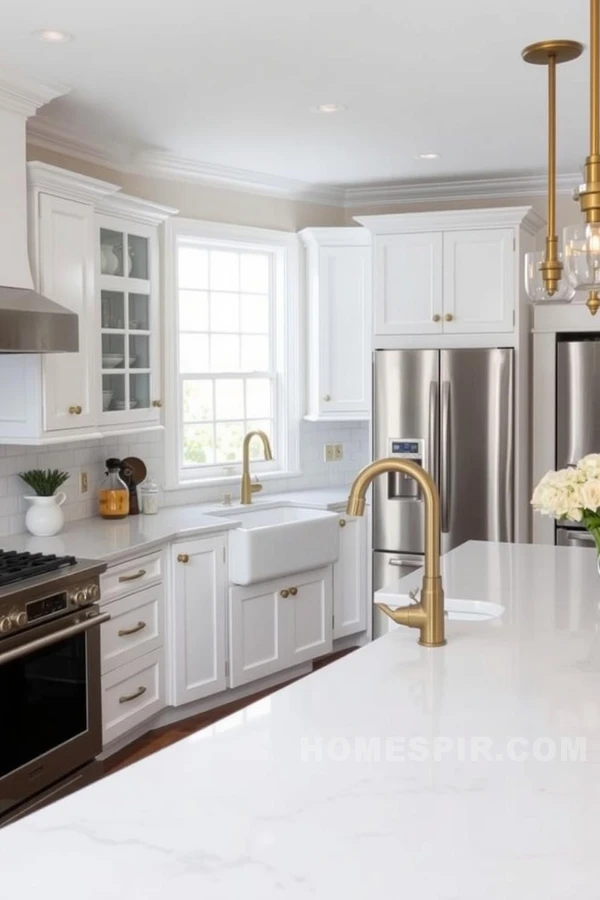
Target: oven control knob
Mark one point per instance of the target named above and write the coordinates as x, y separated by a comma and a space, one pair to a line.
18, 619
5, 624
92, 592
79, 598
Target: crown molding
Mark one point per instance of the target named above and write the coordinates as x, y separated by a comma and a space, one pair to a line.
72, 185
454, 220
135, 209
165, 165
43, 132
453, 190
23, 95
335, 237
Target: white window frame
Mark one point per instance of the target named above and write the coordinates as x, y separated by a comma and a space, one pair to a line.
286, 323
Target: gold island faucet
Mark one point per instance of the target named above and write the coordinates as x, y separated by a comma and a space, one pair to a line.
428, 613
247, 487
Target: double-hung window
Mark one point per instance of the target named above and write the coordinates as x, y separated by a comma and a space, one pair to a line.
235, 349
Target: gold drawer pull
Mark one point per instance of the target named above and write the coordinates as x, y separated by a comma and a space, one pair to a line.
342, 523
436, 317
128, 697
75, 410
135, 577
157, 404
123, 632
183, 558
293, 591
284, 593
449, 317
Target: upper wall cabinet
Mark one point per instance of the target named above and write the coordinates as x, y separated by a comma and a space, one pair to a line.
95, 251
448, 273
338, 282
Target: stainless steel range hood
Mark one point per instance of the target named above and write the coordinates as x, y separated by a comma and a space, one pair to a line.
29, 322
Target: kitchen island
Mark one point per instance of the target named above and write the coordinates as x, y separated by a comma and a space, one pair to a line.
460, 773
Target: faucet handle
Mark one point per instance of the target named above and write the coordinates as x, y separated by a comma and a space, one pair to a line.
414, 596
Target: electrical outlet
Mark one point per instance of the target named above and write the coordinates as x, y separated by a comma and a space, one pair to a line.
334, 452
83, 483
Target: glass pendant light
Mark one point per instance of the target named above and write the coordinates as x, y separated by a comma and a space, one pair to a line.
582, 242
544, 279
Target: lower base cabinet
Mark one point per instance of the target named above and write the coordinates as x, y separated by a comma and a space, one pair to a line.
278, 624
198, 619
350, 578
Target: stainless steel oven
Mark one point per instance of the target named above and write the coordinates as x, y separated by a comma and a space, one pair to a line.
51, 717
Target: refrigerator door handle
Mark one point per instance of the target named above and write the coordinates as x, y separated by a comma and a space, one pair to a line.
433, 435
445, 457
406, 561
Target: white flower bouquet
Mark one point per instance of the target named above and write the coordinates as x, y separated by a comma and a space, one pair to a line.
573, 494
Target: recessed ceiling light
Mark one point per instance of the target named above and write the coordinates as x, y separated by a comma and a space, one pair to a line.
428, 156
329, 108
53, 36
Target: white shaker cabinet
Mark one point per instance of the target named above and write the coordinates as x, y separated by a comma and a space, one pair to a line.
455, 272
278, 624
350, 578
65, 273
408, 283
338, 283
479, 281
197, 618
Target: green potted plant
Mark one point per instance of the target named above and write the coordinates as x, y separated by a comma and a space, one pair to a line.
45, 516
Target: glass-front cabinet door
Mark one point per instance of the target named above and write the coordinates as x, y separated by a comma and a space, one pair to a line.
128, 322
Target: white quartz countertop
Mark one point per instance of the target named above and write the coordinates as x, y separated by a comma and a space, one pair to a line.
98, 538
367, 779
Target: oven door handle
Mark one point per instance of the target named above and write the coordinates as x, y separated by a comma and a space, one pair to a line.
54, 638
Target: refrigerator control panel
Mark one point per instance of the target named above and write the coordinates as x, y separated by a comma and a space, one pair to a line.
408, 448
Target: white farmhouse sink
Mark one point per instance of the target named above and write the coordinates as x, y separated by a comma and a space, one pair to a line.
280, 541
471, 610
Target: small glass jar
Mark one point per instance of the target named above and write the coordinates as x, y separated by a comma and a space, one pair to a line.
113, 496
149, 496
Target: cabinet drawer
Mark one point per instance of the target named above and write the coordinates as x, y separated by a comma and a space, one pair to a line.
131, 694
135, 628
131, 576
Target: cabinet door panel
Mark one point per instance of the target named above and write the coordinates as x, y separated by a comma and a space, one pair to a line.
66, 275
479, 281
310, 615
350, 579
255, 634
198, 610
408, 283
344, 329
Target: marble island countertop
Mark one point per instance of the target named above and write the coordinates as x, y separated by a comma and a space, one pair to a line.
466, 772
97, 538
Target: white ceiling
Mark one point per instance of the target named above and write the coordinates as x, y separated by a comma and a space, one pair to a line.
231, 82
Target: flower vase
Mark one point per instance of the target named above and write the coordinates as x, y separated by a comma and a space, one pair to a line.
45, 516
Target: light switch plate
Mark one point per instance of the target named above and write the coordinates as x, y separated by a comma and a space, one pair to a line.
334, 452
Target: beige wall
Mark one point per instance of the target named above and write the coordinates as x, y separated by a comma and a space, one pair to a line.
197, 201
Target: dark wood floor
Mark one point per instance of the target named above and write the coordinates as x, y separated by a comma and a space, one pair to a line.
170, 734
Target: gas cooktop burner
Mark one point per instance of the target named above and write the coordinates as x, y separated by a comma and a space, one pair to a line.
18, 566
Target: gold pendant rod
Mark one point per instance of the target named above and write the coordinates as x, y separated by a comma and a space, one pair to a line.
552, 146
594, 78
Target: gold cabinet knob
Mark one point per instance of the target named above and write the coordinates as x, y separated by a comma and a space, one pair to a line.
449, 317
293, 591
436, 317
342, 523
183, 558
284, 593
326, 397
75, 410
157, 403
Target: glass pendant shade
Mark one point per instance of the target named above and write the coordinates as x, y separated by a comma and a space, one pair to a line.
534, 283
581, 245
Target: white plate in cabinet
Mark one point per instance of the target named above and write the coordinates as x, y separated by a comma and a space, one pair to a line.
131, 694
136, 627
350, 578
131, 576
279, 624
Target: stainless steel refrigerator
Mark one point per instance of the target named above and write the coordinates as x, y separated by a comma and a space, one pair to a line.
577, 415
452, 412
